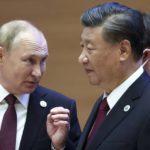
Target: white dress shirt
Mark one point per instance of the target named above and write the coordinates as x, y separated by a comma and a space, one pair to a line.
21, 110
116, 94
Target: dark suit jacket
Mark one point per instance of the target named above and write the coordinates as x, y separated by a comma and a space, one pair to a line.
34, 135
123, 130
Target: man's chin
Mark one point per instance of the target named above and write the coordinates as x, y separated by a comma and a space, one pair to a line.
30, 90
93, 82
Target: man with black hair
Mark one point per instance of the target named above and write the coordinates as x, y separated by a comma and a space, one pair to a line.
112, 48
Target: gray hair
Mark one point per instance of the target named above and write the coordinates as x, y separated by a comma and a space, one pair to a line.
14, 30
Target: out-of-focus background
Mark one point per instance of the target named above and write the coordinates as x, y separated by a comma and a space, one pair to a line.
59, 20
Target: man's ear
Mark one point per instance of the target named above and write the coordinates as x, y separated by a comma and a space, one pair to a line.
125, 50
146, 54
1, 54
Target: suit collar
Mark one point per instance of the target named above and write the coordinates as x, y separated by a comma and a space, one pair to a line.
116, 94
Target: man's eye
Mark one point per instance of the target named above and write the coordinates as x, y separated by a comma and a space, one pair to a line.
90, 48
29, 60
32, 61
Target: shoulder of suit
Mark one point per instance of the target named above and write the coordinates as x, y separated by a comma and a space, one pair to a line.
44, 91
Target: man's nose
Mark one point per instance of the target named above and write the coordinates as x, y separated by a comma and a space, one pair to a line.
82, 58
37, 71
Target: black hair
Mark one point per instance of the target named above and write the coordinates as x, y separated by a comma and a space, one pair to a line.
119, 22
146, 18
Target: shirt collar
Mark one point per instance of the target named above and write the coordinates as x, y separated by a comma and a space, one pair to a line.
23, 98
116, 94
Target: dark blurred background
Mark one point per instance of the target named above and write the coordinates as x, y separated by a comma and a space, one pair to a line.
59, 20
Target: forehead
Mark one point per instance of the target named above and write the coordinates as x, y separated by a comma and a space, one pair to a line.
91, 33
33, 45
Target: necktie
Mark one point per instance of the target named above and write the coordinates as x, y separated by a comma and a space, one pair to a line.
9, 125
103, 109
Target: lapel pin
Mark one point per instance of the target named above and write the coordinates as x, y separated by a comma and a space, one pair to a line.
126, 108
43, 103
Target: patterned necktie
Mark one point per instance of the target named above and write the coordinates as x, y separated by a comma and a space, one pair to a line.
9, 125
103, 109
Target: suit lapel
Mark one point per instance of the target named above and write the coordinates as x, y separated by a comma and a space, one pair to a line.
120, 111
112, 120
88, 125
33, 121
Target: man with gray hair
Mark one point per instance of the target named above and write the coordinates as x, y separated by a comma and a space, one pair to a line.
24, 104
